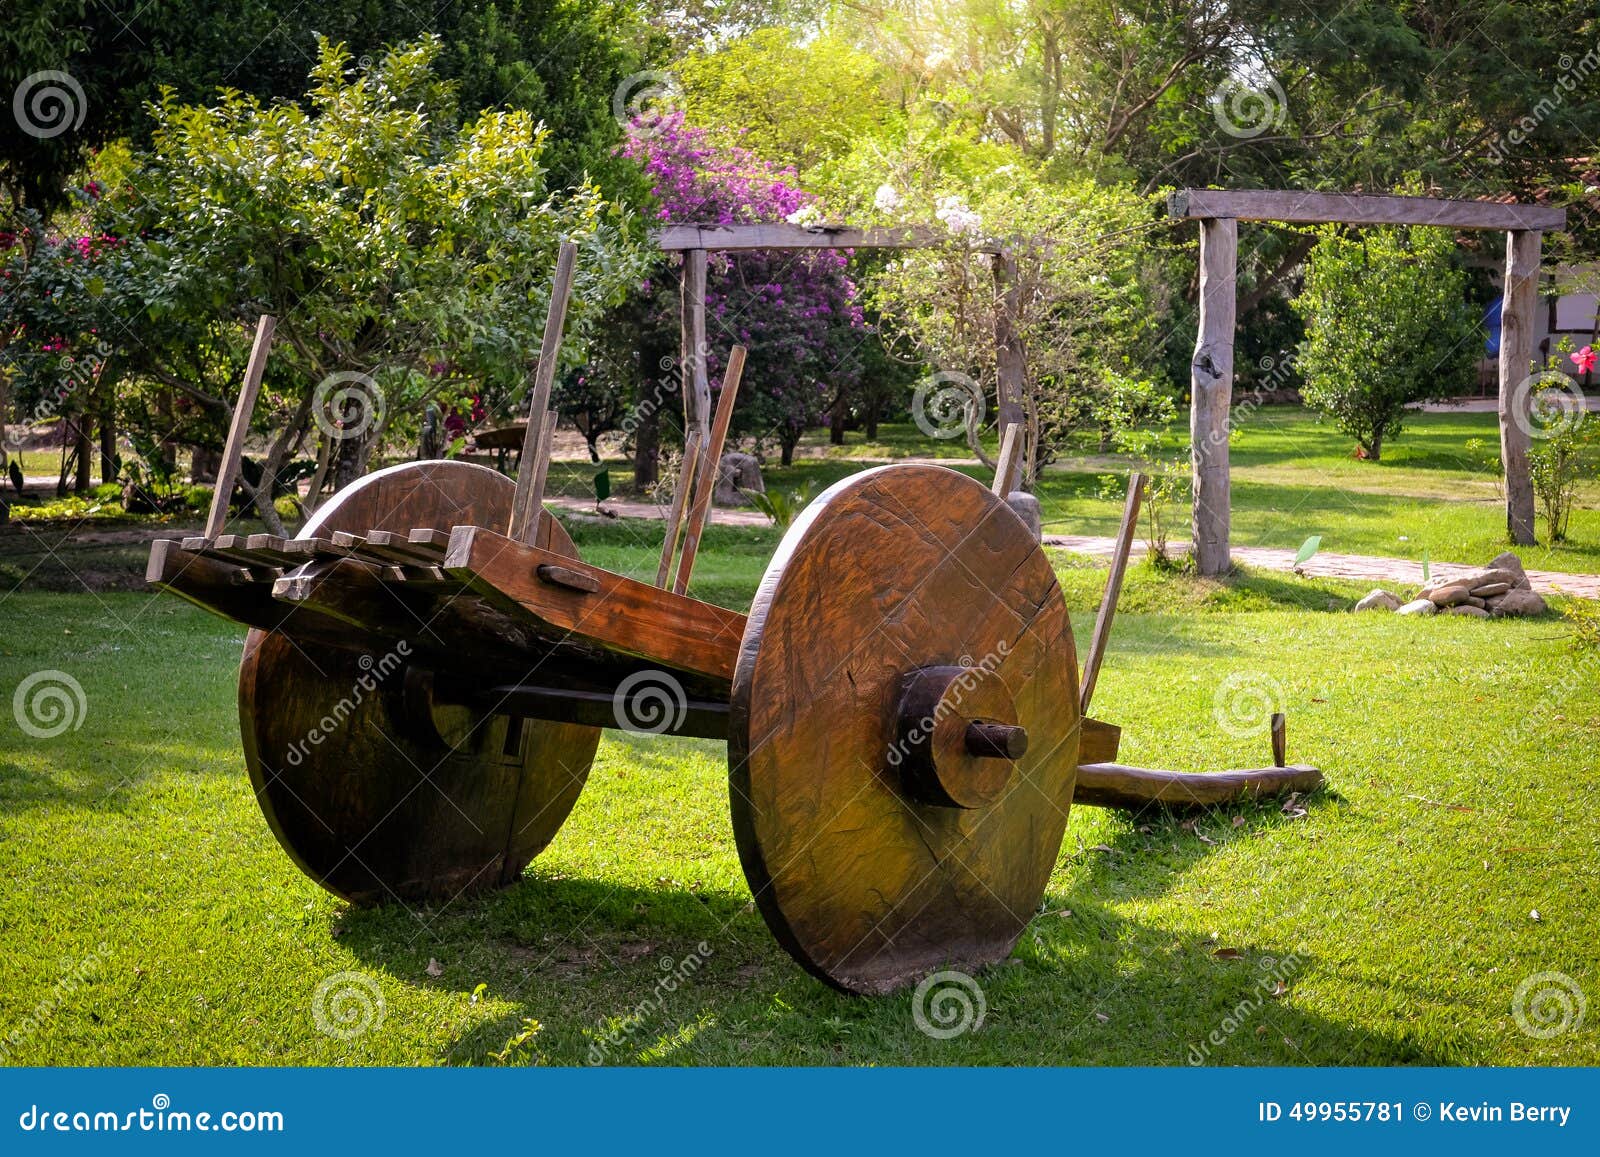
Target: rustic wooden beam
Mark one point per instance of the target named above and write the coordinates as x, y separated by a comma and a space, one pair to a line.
706, 484
692, 337
688, 238
527, 505
1295, 206
1009, 464
1108, 603
1138, 788
1011, 361
1211, 394
680, 498
697, 718
233, 451
1518, 306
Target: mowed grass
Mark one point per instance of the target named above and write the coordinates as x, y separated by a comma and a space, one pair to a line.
149, 917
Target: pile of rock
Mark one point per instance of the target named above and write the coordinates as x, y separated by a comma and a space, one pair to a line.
1499, 590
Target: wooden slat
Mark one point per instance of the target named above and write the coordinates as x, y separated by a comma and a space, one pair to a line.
711, 458
1359, 209
1108, 604
1518, 323
1005, 469
541, 471
623, 616
233, 450
528, 502
680, 498
784, 236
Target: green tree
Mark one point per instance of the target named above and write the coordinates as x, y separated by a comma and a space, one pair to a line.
1387, 324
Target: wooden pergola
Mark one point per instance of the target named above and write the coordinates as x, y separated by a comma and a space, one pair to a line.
1219, 212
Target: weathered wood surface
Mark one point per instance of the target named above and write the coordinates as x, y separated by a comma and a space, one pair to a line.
894, 569
621, 615
1139, 788
233, 449
1360, 209
1009, 464
1108, 603
680, 499
772, 235
1099, 741
1517, 323
706, 479
378, 796
529, 501
1011, 356
692, 343
1211, 395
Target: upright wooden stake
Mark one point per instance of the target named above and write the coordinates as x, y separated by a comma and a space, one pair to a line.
1005, 470
1211, 393
547, 437
1516, 365
710, 459
528, 502
1108, 604
233, 451
680, 498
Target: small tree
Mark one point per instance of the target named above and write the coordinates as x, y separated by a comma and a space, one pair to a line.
1387, 324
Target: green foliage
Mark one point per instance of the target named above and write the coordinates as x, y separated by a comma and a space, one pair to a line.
1387, 324
1583, 618
780, 505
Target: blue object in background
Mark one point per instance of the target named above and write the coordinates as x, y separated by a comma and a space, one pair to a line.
1491, 321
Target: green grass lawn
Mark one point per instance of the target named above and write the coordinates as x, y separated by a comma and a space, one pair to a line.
149, 917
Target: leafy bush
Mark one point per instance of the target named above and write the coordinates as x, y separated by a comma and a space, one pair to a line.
1387, 324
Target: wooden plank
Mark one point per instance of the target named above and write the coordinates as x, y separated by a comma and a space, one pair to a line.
230, 549
1098, 741
1211, 394
541, 471
233, 450
287, 551
1359, 209
528, 502
1006, 468
706, 484
1140, 789
692, 342
680, 498
623, 616
1108, 604
1517, 323
785, 236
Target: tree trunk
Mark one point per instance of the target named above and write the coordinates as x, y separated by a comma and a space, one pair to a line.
788, 443
872, 420
85, 477
647, 432
836, 418
108, 447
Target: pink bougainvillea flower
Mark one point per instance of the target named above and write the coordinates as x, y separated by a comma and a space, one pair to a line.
1584, 359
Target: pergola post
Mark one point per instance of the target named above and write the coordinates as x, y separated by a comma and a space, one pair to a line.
1211, 393
1517, 308
696, 385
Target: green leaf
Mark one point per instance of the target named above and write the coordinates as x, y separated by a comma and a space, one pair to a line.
1308, 548
1427, 575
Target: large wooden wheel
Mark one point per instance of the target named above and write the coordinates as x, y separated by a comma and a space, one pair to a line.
377, 792
904, 729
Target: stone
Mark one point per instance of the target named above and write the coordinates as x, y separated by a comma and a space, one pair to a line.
1448, 596
1519, 604
737, 472
1510, 562
1489, 590
1472, 601
1418, 607
1378, 600
1472, 579
1473, 612
1027, 508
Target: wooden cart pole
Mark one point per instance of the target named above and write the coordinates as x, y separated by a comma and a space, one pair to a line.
1108, 604
1516, 357
228, 471
710, 458
1009, 464
528, 503
1211, 393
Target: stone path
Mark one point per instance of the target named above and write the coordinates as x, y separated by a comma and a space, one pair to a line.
1395, 572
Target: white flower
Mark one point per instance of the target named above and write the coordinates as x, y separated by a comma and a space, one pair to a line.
957, 217
886, 199
805, 216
